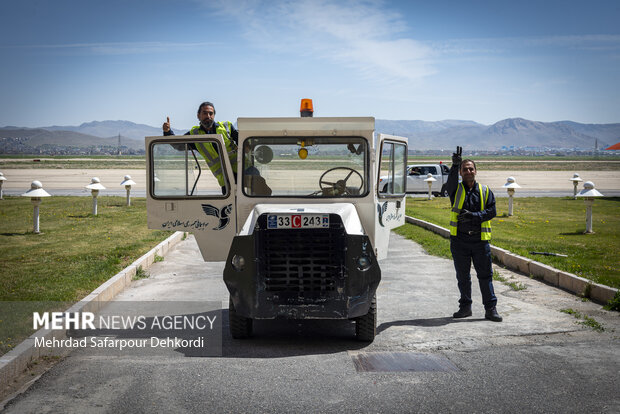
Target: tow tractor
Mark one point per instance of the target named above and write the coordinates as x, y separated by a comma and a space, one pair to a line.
301, 228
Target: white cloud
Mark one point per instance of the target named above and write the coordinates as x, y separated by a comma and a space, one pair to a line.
120, 48
359, 34
497, 45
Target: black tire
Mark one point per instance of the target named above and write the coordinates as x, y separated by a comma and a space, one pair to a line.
366, 326
444, 191
240, 326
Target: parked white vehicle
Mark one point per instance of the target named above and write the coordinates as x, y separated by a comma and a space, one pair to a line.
417, 173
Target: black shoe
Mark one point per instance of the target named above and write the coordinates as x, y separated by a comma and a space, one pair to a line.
492, 315
462, 313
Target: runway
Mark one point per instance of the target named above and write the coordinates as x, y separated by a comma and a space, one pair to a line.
71, 182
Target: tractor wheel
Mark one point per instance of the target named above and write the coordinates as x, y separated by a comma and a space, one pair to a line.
240, 326
366, 326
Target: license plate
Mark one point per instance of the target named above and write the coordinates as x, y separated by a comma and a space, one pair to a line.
297, 221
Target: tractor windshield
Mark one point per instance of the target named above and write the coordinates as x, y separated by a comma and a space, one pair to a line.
305, 167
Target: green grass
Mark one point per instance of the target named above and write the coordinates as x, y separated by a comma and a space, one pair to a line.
431, 242
448, 157
75, 253
614, 303
513, 285
529, 163
140, 274
90, 163
516, 286
515, 163
584, 319
94, 157
497, 276
540, 224
591, 165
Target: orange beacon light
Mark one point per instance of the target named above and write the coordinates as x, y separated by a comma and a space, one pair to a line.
306, 110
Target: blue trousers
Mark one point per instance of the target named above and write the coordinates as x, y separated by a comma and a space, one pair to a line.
463, 253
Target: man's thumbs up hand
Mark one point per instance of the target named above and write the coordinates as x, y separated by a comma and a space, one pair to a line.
166, 125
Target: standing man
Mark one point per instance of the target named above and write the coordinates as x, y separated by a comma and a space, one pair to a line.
473, 207
206, 117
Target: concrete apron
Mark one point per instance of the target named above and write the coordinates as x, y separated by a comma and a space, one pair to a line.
418, 295
416, 299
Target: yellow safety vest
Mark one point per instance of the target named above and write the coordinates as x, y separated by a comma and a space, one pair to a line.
208, 152
459, 199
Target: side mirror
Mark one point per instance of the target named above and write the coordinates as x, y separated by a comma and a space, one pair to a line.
263, 154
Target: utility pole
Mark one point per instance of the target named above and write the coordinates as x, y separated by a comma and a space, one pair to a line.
119, 143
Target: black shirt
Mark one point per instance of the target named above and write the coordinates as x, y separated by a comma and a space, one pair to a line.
469, 230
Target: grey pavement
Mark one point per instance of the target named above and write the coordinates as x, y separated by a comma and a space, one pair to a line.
539, 359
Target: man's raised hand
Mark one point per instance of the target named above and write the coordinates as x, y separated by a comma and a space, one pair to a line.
456, 156
166, 125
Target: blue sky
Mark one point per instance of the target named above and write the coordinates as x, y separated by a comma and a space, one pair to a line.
65, 62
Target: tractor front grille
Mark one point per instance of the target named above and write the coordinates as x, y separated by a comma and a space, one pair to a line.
302, 260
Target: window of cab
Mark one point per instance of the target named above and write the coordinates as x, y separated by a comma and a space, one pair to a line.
186, 169
316, 167
393, 167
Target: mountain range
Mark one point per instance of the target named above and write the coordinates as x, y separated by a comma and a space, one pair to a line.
423, 135
103, 129
511, 132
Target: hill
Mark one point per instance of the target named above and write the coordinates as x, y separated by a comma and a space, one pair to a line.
14, 140
104, 129
511, 133
403, 128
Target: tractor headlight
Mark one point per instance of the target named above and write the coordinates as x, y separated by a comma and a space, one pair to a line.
363, 262
238, 262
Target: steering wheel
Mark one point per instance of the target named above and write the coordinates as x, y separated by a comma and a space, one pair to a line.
340, 186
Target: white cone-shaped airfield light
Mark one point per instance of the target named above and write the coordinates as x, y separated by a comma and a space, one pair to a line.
94, 187
589, 193
128, 182
2, 180
576, 180
510, 186
35, 193
430, 180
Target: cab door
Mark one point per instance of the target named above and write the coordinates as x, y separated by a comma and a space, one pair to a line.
390, 204
184, 194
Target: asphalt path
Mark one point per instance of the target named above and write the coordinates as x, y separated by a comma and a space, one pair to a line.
538, 360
